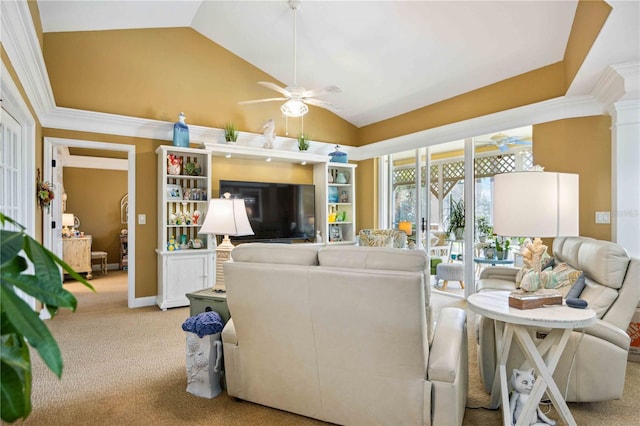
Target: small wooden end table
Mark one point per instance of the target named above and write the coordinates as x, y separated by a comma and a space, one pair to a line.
560, 319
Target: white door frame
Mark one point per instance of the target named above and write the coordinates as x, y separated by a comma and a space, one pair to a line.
49, 235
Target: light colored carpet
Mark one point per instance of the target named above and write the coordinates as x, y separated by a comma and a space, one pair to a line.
127, 366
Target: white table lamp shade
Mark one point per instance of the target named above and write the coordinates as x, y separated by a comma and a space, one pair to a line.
226, 217
68, 220
536, 204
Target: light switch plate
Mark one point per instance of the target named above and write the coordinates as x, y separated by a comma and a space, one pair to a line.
142, 219
603, 217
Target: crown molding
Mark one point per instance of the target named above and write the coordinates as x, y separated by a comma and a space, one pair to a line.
618, 82
20, 41
541, 112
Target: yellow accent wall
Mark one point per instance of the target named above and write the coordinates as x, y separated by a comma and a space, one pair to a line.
158, 73
94, 196
257, 171
534, 86
367, 194
582, 146
589, 18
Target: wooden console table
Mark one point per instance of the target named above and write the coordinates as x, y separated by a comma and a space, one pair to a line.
76, 252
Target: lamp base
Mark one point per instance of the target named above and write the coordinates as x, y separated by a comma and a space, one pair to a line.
223, 253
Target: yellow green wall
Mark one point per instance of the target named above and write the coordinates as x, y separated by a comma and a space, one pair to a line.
157, 73
582, 146
257, 171
94, 196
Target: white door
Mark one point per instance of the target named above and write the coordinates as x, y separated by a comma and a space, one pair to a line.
13, 178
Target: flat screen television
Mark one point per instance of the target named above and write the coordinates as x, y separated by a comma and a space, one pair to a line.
278, 212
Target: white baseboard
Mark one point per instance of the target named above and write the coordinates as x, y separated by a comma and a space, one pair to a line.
110, 267
141, 302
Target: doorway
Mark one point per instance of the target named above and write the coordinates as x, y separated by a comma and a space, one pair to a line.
52, 235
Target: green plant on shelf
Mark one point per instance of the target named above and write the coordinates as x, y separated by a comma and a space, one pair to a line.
192, 169
230, 132
304, 140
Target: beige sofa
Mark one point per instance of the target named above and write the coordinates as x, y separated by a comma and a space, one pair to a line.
341, 334
612, 289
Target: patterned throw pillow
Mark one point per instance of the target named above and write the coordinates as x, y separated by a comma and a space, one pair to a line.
376, 239
565, 274
532, 281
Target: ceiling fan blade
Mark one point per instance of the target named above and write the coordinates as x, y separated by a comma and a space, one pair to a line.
321, 104
275, 87
263, 100
320, 91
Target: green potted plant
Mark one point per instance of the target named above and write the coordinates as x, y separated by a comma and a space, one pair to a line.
21, 326
230, 132
304, 140
484, 230
502, 247
456, 219
192, 168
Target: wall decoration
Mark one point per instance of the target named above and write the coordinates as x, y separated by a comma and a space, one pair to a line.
44, 192
124, 209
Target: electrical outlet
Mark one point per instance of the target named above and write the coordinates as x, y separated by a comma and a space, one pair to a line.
142, 219
603, 217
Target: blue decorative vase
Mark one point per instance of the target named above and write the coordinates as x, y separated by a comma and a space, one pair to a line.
338, 156
181, 132
333, 194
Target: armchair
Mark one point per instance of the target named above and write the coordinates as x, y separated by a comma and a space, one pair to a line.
593, 366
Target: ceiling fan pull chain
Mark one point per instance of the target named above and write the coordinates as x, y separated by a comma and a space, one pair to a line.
286, 125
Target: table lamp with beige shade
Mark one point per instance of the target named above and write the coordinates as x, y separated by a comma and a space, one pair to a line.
68, 223
535, 204
227, 217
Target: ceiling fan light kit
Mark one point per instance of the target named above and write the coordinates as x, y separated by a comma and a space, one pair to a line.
294, 108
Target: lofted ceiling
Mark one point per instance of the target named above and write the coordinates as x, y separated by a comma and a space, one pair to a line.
388, 57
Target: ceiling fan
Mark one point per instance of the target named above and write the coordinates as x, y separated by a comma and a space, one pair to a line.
502, 141
296, 97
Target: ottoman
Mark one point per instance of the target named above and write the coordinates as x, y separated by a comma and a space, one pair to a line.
450, 272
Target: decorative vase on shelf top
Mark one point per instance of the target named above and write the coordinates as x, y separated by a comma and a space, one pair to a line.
338, 156
181, 132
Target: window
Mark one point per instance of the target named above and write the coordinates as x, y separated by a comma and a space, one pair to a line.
449, 174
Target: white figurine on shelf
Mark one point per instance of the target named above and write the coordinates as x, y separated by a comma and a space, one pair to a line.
269, 132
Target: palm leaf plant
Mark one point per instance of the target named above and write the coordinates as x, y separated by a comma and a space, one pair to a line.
456, 219
21, 327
